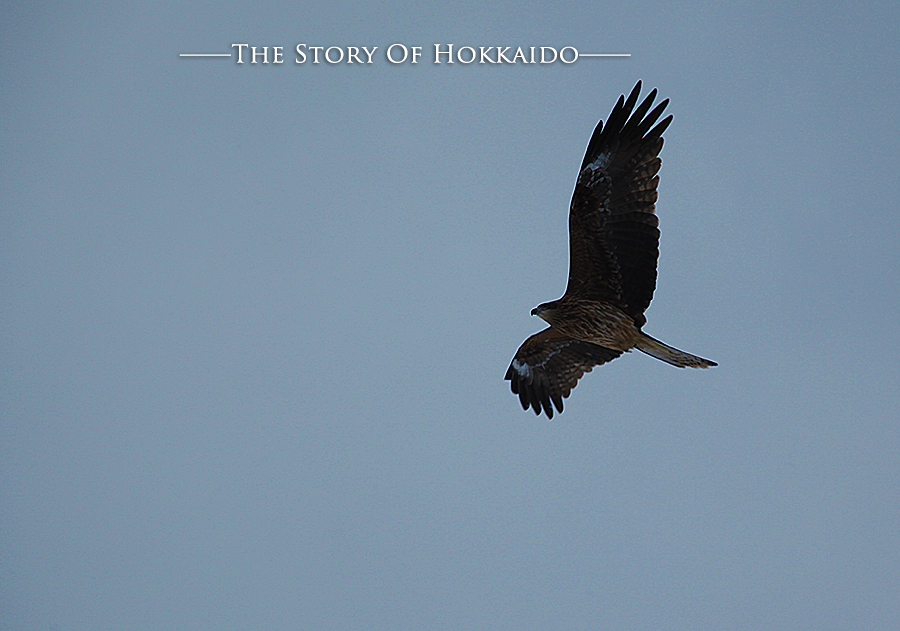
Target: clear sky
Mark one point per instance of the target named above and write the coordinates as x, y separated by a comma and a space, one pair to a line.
256, 317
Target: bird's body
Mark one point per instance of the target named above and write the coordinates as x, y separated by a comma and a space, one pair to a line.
591, 321
613, 250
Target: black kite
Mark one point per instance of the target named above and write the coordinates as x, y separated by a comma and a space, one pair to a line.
613, 249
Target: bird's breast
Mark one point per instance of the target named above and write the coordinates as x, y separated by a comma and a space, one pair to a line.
597, 322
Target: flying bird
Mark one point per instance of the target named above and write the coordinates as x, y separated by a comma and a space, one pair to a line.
613, 249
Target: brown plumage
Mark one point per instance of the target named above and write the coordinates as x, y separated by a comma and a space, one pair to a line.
613, 249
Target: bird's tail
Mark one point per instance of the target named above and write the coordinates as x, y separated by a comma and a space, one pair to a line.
657, 349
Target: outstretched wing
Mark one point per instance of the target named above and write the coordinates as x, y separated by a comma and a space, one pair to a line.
548, 365
613, 234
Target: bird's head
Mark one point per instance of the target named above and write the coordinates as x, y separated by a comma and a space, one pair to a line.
544, 311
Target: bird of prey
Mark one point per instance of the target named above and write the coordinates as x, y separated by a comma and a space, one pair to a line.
613, 248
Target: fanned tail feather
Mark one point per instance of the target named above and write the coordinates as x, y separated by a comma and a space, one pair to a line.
657, 349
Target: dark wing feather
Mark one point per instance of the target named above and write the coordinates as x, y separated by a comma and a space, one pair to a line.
613, 234
548, 365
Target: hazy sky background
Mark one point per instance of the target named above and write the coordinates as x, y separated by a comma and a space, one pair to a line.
256, 318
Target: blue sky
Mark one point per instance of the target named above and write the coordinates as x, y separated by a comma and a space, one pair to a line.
256, 320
